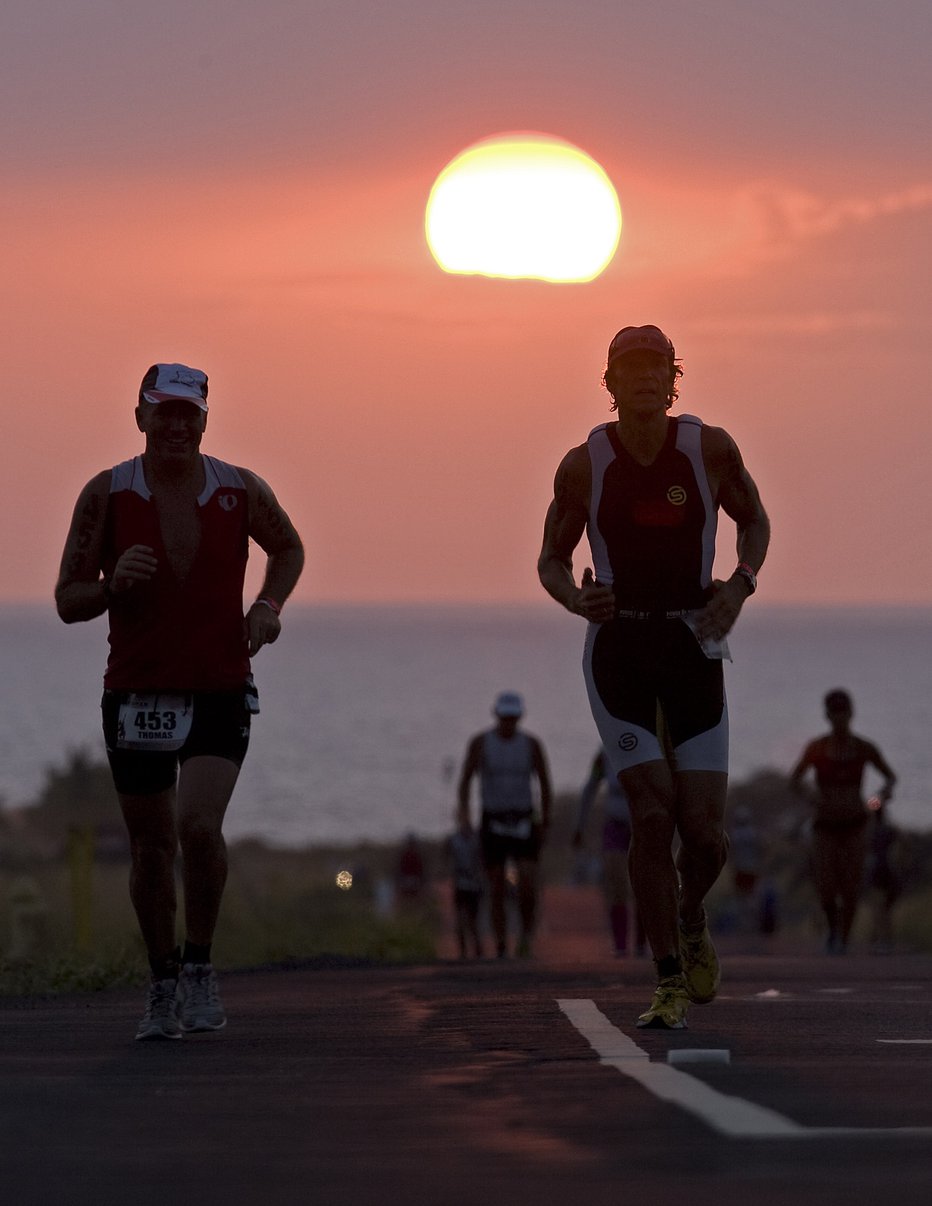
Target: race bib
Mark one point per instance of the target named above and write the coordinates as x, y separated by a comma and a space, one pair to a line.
154, 722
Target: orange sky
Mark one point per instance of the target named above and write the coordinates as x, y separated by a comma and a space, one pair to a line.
267, 226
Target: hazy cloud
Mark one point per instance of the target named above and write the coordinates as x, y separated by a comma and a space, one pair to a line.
782, 217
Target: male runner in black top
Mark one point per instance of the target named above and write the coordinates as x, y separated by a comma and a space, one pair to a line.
648, 488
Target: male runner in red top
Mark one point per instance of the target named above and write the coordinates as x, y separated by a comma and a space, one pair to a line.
647, 488
160, 544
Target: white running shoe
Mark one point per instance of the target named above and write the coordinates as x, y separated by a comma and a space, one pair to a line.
160, 1020
199, 999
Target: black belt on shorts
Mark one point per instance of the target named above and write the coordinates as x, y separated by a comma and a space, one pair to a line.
625, 614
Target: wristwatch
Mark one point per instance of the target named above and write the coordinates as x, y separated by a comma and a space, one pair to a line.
744, 571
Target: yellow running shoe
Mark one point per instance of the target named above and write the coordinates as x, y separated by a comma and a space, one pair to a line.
668, 1008
701, 968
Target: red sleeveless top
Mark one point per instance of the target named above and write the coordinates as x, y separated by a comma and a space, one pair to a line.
168, 634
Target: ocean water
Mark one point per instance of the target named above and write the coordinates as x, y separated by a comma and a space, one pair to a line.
366, 711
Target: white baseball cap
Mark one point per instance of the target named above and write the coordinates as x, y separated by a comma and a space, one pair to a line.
164, 382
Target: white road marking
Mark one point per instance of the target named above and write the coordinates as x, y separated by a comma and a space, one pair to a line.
698, 1055
731, 1116
907, 1042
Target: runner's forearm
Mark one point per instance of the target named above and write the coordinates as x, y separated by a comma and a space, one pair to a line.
78, 601
754, 540
557, 580
282, 573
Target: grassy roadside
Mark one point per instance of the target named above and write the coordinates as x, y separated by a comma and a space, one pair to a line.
66, 923
279, 906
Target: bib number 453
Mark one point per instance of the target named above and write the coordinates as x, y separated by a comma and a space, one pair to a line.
154, 722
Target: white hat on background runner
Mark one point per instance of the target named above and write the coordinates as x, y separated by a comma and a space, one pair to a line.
509, 703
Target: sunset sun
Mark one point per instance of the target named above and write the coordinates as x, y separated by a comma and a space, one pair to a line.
523, 205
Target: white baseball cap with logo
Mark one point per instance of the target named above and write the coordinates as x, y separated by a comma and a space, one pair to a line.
165, 382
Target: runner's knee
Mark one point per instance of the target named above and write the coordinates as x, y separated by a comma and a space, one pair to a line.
708, 845
197, 835
153, 855
150, 827
653, 830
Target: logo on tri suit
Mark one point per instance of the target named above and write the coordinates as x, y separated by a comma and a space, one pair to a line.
676, 495
227, 501
627, 742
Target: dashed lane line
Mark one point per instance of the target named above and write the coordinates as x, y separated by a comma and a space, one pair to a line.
734, 1117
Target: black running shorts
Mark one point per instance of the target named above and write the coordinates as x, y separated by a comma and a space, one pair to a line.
497, 848
637, 670
219, 727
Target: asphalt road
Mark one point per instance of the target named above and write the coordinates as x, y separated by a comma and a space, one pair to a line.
519, 1082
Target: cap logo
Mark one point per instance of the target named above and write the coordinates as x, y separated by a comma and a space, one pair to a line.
182, 377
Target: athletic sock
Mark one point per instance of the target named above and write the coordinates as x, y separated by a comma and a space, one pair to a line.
166, 967
194, 953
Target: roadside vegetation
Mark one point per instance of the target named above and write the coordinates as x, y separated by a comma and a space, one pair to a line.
66, 923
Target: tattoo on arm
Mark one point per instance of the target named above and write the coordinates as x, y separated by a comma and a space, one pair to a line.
737, 492
87, 524
741, 498
272, 518
561, 489
567, 518
269, 524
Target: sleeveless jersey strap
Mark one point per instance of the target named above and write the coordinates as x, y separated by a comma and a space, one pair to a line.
601, 455
689, 442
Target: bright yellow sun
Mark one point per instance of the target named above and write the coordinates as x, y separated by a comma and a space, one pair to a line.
523, 205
